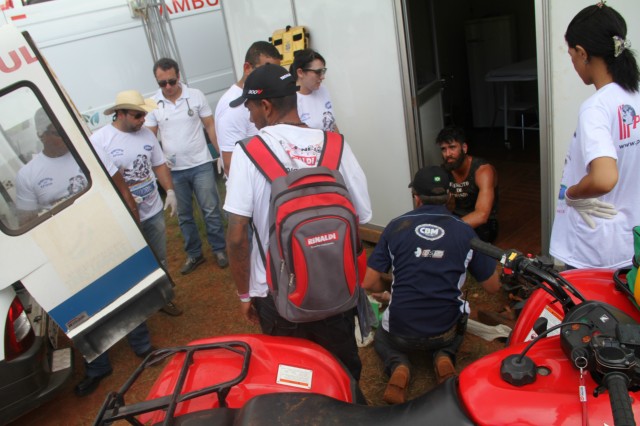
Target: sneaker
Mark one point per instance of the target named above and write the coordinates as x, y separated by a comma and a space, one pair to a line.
444, 368
396, 391
223, 260
191, 264
171, 309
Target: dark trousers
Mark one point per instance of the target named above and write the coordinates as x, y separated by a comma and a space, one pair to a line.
335, 334
394, 350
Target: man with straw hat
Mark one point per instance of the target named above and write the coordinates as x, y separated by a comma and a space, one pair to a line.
135, 152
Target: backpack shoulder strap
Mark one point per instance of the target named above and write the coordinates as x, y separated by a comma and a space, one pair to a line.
263, 158
332, 150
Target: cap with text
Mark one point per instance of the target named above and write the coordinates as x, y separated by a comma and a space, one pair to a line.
265, 82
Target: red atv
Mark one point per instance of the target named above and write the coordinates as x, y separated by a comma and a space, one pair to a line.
587, 373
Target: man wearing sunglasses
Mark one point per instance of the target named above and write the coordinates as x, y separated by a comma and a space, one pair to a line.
127, 148
182, 114
233, 124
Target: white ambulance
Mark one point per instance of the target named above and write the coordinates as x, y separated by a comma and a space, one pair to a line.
82, 259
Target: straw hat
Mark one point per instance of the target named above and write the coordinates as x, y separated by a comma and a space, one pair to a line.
132, 100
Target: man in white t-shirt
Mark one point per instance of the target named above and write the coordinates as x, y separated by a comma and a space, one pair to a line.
128, 149
53, 175
233, 124
270, 95
181, 116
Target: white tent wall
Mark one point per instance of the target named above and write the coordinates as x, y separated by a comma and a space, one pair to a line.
360, 43
561, 91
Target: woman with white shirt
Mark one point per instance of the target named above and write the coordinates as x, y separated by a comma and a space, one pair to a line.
314, 103
597, 205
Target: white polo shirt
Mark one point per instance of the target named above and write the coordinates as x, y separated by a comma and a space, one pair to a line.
181, 129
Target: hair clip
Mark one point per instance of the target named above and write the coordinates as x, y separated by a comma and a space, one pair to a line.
620, 45
600, 4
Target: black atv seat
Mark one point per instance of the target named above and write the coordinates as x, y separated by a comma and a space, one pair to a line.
440, 406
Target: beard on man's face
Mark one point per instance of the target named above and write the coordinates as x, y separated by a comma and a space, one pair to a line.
450, 166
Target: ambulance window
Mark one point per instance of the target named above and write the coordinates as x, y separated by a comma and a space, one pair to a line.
39, 175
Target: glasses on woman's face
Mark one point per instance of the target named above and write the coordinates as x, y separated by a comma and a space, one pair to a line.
170, 82
319, 72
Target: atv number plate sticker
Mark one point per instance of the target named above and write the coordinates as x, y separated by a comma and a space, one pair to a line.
294, 376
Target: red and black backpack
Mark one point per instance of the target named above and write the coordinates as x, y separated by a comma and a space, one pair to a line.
315, 261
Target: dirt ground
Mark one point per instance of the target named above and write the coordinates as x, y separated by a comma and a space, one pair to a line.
211, 308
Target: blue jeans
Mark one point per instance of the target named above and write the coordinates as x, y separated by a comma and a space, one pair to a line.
335, 334
140, 342
201, 182
394, 350
154, 230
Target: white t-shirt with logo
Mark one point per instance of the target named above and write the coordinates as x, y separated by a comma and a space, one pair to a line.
232, 124
45, 181
248, 191
134, 154
316, 110
608, 126
182, 134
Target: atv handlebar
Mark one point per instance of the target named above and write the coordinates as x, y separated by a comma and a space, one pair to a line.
487, 249
531, 269
617, 384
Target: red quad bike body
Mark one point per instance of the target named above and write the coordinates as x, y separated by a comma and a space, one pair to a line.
553, 398
244, 365
594, 284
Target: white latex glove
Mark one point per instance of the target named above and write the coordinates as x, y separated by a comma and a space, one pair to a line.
220, 166
588, 207
171, 202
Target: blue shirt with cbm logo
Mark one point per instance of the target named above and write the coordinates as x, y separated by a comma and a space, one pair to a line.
428, 251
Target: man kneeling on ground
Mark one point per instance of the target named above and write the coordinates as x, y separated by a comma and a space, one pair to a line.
429, 250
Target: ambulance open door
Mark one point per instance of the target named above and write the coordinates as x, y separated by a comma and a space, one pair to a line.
82, 257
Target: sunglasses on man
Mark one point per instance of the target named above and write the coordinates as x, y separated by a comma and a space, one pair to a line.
137, 115
170, 82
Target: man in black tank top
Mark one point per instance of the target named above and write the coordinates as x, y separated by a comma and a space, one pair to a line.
474, 184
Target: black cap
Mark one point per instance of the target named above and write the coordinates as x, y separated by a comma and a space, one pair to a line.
265, 82
432, 180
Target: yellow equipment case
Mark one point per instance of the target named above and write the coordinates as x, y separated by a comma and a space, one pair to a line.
288, 40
